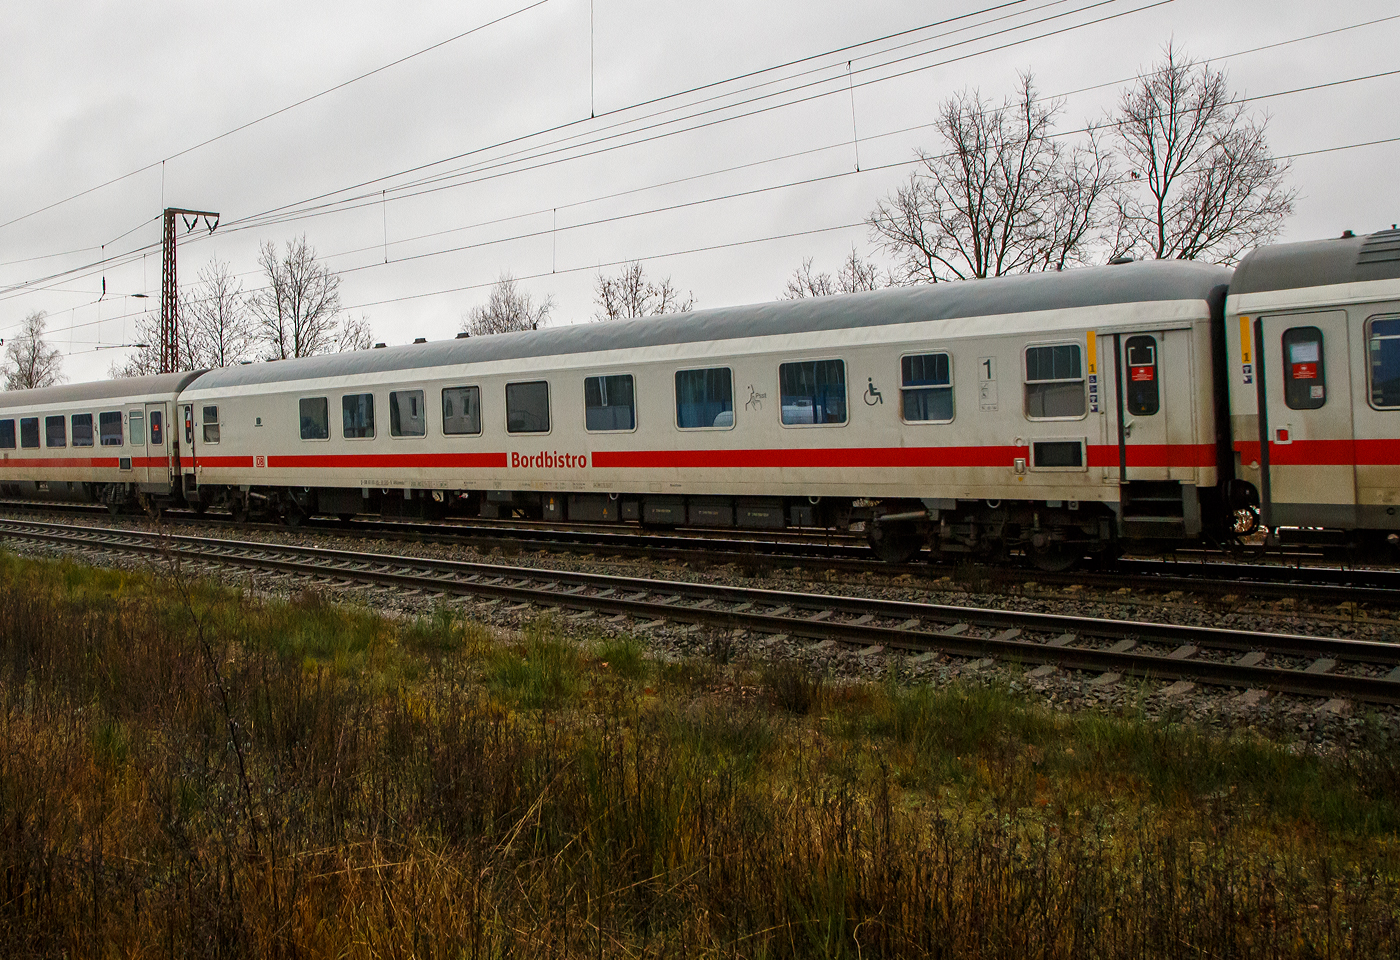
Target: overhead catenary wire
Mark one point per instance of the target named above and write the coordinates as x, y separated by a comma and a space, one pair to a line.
247, 222
1264, 96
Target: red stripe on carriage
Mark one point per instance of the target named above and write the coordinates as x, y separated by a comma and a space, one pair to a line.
385, 461
1100, 455
1325, 453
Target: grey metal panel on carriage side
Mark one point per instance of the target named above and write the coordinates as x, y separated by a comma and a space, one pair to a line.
1172, 280
1319, 263
99, 390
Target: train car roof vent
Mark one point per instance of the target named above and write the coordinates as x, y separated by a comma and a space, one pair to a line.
1119, 261
420, 340
379, 346
1347, 234
1380, 247
463, 335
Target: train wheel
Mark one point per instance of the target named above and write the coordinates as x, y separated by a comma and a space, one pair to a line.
1246, 521
239, 510
1054, 557
894, 543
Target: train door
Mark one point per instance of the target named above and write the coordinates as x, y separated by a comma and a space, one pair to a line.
136, 436
1306, 438
1154, 415
158, 446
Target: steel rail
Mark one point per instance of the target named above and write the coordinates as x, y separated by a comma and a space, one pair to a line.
1314, 583
805, 615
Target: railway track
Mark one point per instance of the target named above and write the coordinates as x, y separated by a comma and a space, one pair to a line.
1300, 578
1288, 663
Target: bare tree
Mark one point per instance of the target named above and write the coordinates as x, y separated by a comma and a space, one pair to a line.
355, 334
1004, 197
296, 315
855, 276
30, 361
630, 294
214, 330
1203, 182
507, 310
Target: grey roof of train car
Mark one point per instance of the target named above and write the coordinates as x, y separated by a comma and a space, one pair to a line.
1126, 283
1319, 263
98, 390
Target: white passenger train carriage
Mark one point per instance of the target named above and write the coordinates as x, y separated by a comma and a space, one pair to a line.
1314, 343
977, 416
110, 442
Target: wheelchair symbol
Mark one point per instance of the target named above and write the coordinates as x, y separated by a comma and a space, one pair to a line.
872, 395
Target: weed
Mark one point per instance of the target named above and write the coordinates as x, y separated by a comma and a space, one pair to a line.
791, 686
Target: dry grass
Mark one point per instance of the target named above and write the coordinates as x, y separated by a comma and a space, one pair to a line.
186, 773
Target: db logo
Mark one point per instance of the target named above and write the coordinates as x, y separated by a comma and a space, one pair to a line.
260, 461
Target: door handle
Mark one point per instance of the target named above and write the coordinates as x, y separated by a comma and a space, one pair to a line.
1127, 427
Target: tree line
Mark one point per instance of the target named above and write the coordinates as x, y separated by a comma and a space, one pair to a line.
1178, 169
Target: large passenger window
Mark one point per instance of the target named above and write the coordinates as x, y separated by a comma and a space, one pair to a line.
1143, 396
211, 426
1304, 379
7, 434
82, 429
315, 416
704, 398
357, 416
461, 411
926, 384
406, 415
55, 432
29, 432
109, 427
609, 403
1383, 346
813, 391
1054, 382
527, 407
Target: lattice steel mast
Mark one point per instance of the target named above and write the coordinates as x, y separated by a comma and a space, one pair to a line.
169, 293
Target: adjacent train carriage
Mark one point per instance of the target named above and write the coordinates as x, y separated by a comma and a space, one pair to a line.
1314, 381
1054, 413
108, 442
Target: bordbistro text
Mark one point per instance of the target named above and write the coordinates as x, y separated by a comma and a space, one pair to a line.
548, 460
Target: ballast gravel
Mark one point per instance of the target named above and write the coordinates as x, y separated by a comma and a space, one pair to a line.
1301, 723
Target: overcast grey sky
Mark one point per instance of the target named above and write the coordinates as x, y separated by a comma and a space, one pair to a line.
521, 146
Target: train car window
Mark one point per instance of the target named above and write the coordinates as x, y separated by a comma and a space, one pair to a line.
55, 431
527, 407
189, 425
109, 428
926, 384
357, 416
315, 415
1383, 346
82, 429
7, 434
705, 398
461, 411
1143, 396
1054, 382
609, 403
29, 432
1304, 379
157, 429
136, 421
211, 424
813, 391
407, 417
